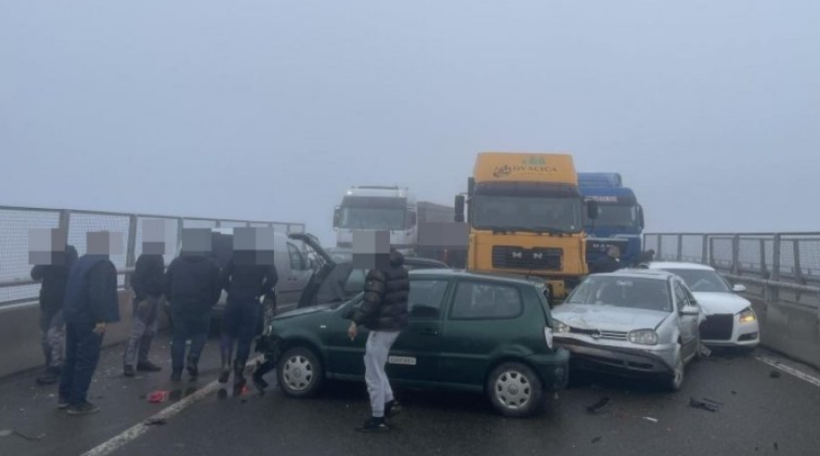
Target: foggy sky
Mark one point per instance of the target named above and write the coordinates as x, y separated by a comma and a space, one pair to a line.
271, 109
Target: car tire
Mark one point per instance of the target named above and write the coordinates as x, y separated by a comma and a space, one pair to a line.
300, 373
674, 383
515, 390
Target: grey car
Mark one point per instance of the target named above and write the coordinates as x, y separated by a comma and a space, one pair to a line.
631, 322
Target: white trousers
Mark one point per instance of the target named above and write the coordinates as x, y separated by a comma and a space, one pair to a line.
375, 359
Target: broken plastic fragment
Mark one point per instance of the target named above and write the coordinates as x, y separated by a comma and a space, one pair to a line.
158, 396
598, 406
649, 418
703, 404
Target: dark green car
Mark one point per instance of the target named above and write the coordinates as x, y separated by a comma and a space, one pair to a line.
469, 332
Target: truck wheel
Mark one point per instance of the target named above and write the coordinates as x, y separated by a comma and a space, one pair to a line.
515, 390
300, 372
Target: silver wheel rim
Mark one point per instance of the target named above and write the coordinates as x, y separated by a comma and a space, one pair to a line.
297, 373
513, 390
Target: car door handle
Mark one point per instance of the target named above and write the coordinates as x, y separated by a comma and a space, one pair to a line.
429, 332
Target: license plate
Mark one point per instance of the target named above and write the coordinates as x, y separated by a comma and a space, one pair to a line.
404, 360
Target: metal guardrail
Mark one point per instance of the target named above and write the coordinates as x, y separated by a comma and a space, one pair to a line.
779, 267
15, 223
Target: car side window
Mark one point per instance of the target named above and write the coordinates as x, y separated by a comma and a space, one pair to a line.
355, 281
425, 298
297, 261
475, 300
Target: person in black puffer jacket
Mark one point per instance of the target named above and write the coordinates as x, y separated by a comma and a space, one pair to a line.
384, 312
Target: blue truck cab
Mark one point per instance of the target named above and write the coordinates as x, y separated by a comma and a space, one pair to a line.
620, 219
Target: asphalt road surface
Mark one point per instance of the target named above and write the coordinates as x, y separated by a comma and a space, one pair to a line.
757, 413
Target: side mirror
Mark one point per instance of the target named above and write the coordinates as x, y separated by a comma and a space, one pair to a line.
459, 209
592, 209
738, 288
690, 310
641, 222
337, 215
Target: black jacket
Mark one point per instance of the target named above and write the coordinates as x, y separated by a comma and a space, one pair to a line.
91, 293
54, 279
245, 282
149, 277
385, 297
192, 284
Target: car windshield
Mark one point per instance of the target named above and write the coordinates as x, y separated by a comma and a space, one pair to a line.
616, 215
700, 280
632, 292
536, 213
372, 218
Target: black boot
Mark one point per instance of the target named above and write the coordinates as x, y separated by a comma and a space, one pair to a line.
239, 381
193, 370
373, 425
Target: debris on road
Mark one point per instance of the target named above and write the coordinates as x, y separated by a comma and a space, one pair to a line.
705, 404
596, 440
158, 396
156, 422
705, 351
649, 418
598, 406
775, 374
9, 432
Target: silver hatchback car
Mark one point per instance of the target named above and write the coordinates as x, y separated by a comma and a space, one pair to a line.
631, 322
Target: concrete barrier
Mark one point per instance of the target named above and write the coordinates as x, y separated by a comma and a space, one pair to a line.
20, 348
789, 329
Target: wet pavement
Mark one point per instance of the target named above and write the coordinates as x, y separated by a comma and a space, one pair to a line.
754, 413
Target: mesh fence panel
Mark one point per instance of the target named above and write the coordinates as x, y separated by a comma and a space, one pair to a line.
721, 251
749, 254
669, 246
232, 224
810, 257
692, 248
198, 223
14, 261
651, 242
787, 265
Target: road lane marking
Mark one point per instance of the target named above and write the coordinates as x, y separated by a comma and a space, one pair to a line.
789, 370
133, 433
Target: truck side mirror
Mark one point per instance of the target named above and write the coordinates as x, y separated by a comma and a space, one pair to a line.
459, 209
592, 209
411, 220
337, 215
640, 217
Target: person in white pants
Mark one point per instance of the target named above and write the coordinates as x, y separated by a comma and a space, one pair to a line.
384, 313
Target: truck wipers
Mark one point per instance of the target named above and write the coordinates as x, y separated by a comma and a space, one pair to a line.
552, 231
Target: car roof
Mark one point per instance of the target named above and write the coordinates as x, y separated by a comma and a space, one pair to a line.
655, 274
505, 278
679, 265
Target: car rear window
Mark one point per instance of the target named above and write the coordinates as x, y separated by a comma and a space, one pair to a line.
476, 300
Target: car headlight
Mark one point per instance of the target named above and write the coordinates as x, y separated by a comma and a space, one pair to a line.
748, 316
643, 337
560, 328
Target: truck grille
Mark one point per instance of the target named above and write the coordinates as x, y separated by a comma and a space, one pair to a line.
538, 258
611, 335
717, 327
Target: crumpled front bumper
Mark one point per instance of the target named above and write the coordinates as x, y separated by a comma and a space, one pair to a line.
620, 359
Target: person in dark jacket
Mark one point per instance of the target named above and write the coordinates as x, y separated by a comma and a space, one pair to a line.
52, 326
245, 283
148, 284
192, 285
384, 312
90, 303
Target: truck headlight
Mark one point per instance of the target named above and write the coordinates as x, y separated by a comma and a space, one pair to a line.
643, 337
560, 328
747, 315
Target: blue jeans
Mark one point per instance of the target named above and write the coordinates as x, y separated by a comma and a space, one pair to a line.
81, 358
192, 326
239, 322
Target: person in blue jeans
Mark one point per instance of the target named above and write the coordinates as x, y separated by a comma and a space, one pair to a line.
246, 280
192, 286
91, 301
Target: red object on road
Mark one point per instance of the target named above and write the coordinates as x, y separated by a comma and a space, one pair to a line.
158, 396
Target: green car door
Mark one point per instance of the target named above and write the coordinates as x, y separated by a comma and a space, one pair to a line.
413, 357
485, 321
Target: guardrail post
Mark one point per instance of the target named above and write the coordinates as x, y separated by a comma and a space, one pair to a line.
131, 247
63, 223
764, 270
659, 253
736, 254
704, 254
180, 226
680, 247
775, 276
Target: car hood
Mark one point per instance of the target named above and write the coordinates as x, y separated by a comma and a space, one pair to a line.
608, 318
721, 303
302, 312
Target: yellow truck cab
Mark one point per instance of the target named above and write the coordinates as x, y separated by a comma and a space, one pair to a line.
525, 213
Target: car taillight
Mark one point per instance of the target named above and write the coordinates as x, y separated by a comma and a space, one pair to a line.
548, 336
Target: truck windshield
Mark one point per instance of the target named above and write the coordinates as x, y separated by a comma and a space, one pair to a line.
367, 218
616, 215
527, 213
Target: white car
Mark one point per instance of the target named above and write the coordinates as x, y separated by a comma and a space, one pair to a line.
729, 318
